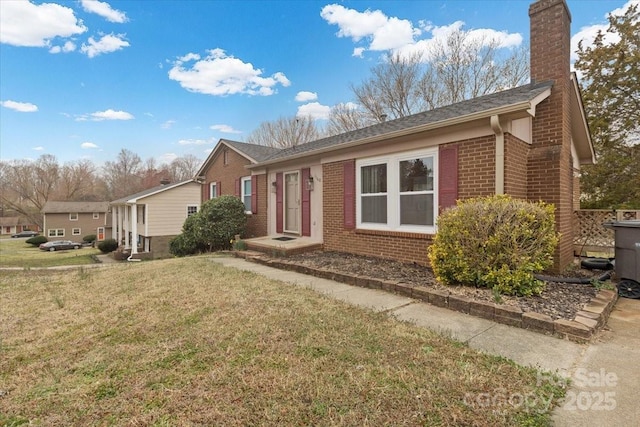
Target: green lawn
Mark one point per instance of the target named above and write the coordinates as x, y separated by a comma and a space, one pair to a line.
189, 342
17, 253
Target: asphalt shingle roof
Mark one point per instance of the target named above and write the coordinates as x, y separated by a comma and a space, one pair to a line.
258, 153
476, 105
150, 191
80, 207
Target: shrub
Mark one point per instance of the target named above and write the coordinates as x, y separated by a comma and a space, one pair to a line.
89, 238
36, 240
495, 242
212, 228
108, 245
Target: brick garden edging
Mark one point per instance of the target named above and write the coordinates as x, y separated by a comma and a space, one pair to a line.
582, 328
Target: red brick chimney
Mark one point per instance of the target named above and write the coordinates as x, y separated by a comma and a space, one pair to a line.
550, 175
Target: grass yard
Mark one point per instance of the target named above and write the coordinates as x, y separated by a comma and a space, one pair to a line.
17, 253
189, 342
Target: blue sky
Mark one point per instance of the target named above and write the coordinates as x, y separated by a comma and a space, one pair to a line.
84, 79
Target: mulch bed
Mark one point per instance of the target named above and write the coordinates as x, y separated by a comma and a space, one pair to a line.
558, 300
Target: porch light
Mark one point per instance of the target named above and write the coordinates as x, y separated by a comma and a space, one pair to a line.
310, 183
274, 187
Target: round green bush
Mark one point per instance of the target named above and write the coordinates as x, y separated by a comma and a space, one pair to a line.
89, 238
495, 242
212, 228
108, 245
36, 240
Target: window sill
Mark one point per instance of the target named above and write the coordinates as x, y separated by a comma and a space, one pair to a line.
388, 233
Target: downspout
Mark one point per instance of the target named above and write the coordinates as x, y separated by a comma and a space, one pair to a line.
497, 129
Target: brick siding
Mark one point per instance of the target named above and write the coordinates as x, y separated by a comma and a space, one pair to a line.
226, 175
550, 175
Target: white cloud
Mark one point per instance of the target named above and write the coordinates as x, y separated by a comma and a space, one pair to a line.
22, 107
587, 34
105, 10
168, 124
304, 96
38, 148
23, 23
167, 158
109, 114
224, 129
87, 145
220, 75
107, 44
195, 141
67, 47
315, 110
379, 32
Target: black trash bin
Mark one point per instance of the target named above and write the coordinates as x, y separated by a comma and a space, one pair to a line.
627, 253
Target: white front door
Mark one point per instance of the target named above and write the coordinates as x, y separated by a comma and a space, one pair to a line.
291, 202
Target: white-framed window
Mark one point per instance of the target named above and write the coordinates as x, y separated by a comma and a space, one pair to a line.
397, 192
213, 190
55, 232
73, 216
192, 210
96, 215
245, 187
76, 231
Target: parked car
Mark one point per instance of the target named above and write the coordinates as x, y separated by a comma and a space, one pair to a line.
58, 245
25, 233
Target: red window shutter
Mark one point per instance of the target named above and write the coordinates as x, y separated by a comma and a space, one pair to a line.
349, 194
254, 194
238, 193
279, 205
306, 203
448, 176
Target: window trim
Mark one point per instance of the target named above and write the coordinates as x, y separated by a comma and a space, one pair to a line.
197, 208
73, 231
96, 215
55, 232
71, 216
243, 194
213, 190
393, 193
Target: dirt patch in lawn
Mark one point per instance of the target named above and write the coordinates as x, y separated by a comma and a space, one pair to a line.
558, 300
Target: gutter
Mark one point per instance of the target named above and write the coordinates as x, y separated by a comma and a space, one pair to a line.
497, 129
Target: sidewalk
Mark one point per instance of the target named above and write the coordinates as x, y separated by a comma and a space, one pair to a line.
604, 373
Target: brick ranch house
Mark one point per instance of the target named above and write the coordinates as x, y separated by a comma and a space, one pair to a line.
225, 172
377, 191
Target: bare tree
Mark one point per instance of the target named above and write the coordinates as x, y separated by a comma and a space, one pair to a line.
77, 182
27, 185
123, 176
392, 90
285, 132
185, 167
462, 66
344, 118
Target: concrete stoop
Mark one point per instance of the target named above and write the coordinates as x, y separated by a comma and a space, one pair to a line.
581, 329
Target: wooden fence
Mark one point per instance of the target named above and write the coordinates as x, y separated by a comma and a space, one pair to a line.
589, 235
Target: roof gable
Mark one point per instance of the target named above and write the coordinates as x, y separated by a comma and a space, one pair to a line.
252, 152
133, 198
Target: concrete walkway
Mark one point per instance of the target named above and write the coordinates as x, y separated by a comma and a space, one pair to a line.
605, 375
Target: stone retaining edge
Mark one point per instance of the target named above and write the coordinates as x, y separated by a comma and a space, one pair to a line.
581, 329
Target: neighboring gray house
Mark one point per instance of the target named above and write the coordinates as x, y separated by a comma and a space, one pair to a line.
144, 223
74, 220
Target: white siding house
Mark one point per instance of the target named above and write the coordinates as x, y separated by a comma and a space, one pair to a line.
145, 222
